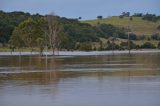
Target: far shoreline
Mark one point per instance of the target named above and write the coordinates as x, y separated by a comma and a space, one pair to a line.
80, 53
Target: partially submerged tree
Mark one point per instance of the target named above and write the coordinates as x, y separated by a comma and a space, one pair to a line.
30, 34
54, 31
16, 40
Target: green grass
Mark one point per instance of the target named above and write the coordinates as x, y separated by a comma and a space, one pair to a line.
137, 25
140, 42
7, 49
4, 49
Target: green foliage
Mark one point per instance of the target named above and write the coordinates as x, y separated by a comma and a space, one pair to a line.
85, 46
158, 46
16, 40
126, 14
155, 36
80, 32
148, 45
150, 17
41, 43
29, 33
158, 27
8, 22
137, 15
66, 42
132, 36
25, 30
125, 45
108, 30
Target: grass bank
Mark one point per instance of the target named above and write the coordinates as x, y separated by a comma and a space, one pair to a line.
137, 25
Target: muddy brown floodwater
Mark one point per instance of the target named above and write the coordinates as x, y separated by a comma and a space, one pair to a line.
119, 80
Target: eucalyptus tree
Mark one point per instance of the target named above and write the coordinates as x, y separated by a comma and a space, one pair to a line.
54, 31
16, 40
29, 34
41, 33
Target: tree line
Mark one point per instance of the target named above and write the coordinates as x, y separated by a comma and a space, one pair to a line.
147, 16
23, 30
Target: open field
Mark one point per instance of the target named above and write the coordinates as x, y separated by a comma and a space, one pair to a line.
137, 25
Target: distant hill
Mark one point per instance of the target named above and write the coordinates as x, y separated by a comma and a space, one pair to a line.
137, 24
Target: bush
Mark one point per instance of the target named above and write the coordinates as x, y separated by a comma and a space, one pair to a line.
155, 36
137, 15
141, 37
132, 36
158, 46
111, 46
86, 46
124, 45
148, 45
130, 18
158, 27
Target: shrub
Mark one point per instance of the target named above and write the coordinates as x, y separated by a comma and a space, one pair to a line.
141, 37
148, 45
158, 27
124, 45
158, 46
113, 46
130, 18
132, 36
155, 36
86, 46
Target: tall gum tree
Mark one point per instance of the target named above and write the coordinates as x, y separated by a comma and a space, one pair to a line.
54, 31
29, 33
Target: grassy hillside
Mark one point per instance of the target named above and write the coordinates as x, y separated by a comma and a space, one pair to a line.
137, 25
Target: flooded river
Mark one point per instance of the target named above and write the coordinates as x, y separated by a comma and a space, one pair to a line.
112, 80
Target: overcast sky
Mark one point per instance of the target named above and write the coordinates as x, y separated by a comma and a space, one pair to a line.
87, 9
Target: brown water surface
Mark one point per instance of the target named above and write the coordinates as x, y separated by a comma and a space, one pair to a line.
119, 80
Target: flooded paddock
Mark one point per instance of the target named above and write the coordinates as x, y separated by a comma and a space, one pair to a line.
107, 80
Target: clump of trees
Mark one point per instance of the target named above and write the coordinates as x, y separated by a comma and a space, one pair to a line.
150, 17
125, 14
10, 20
155, 36
147, 16
108, 30
137, 15
30, 34
132, 36
99, 17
